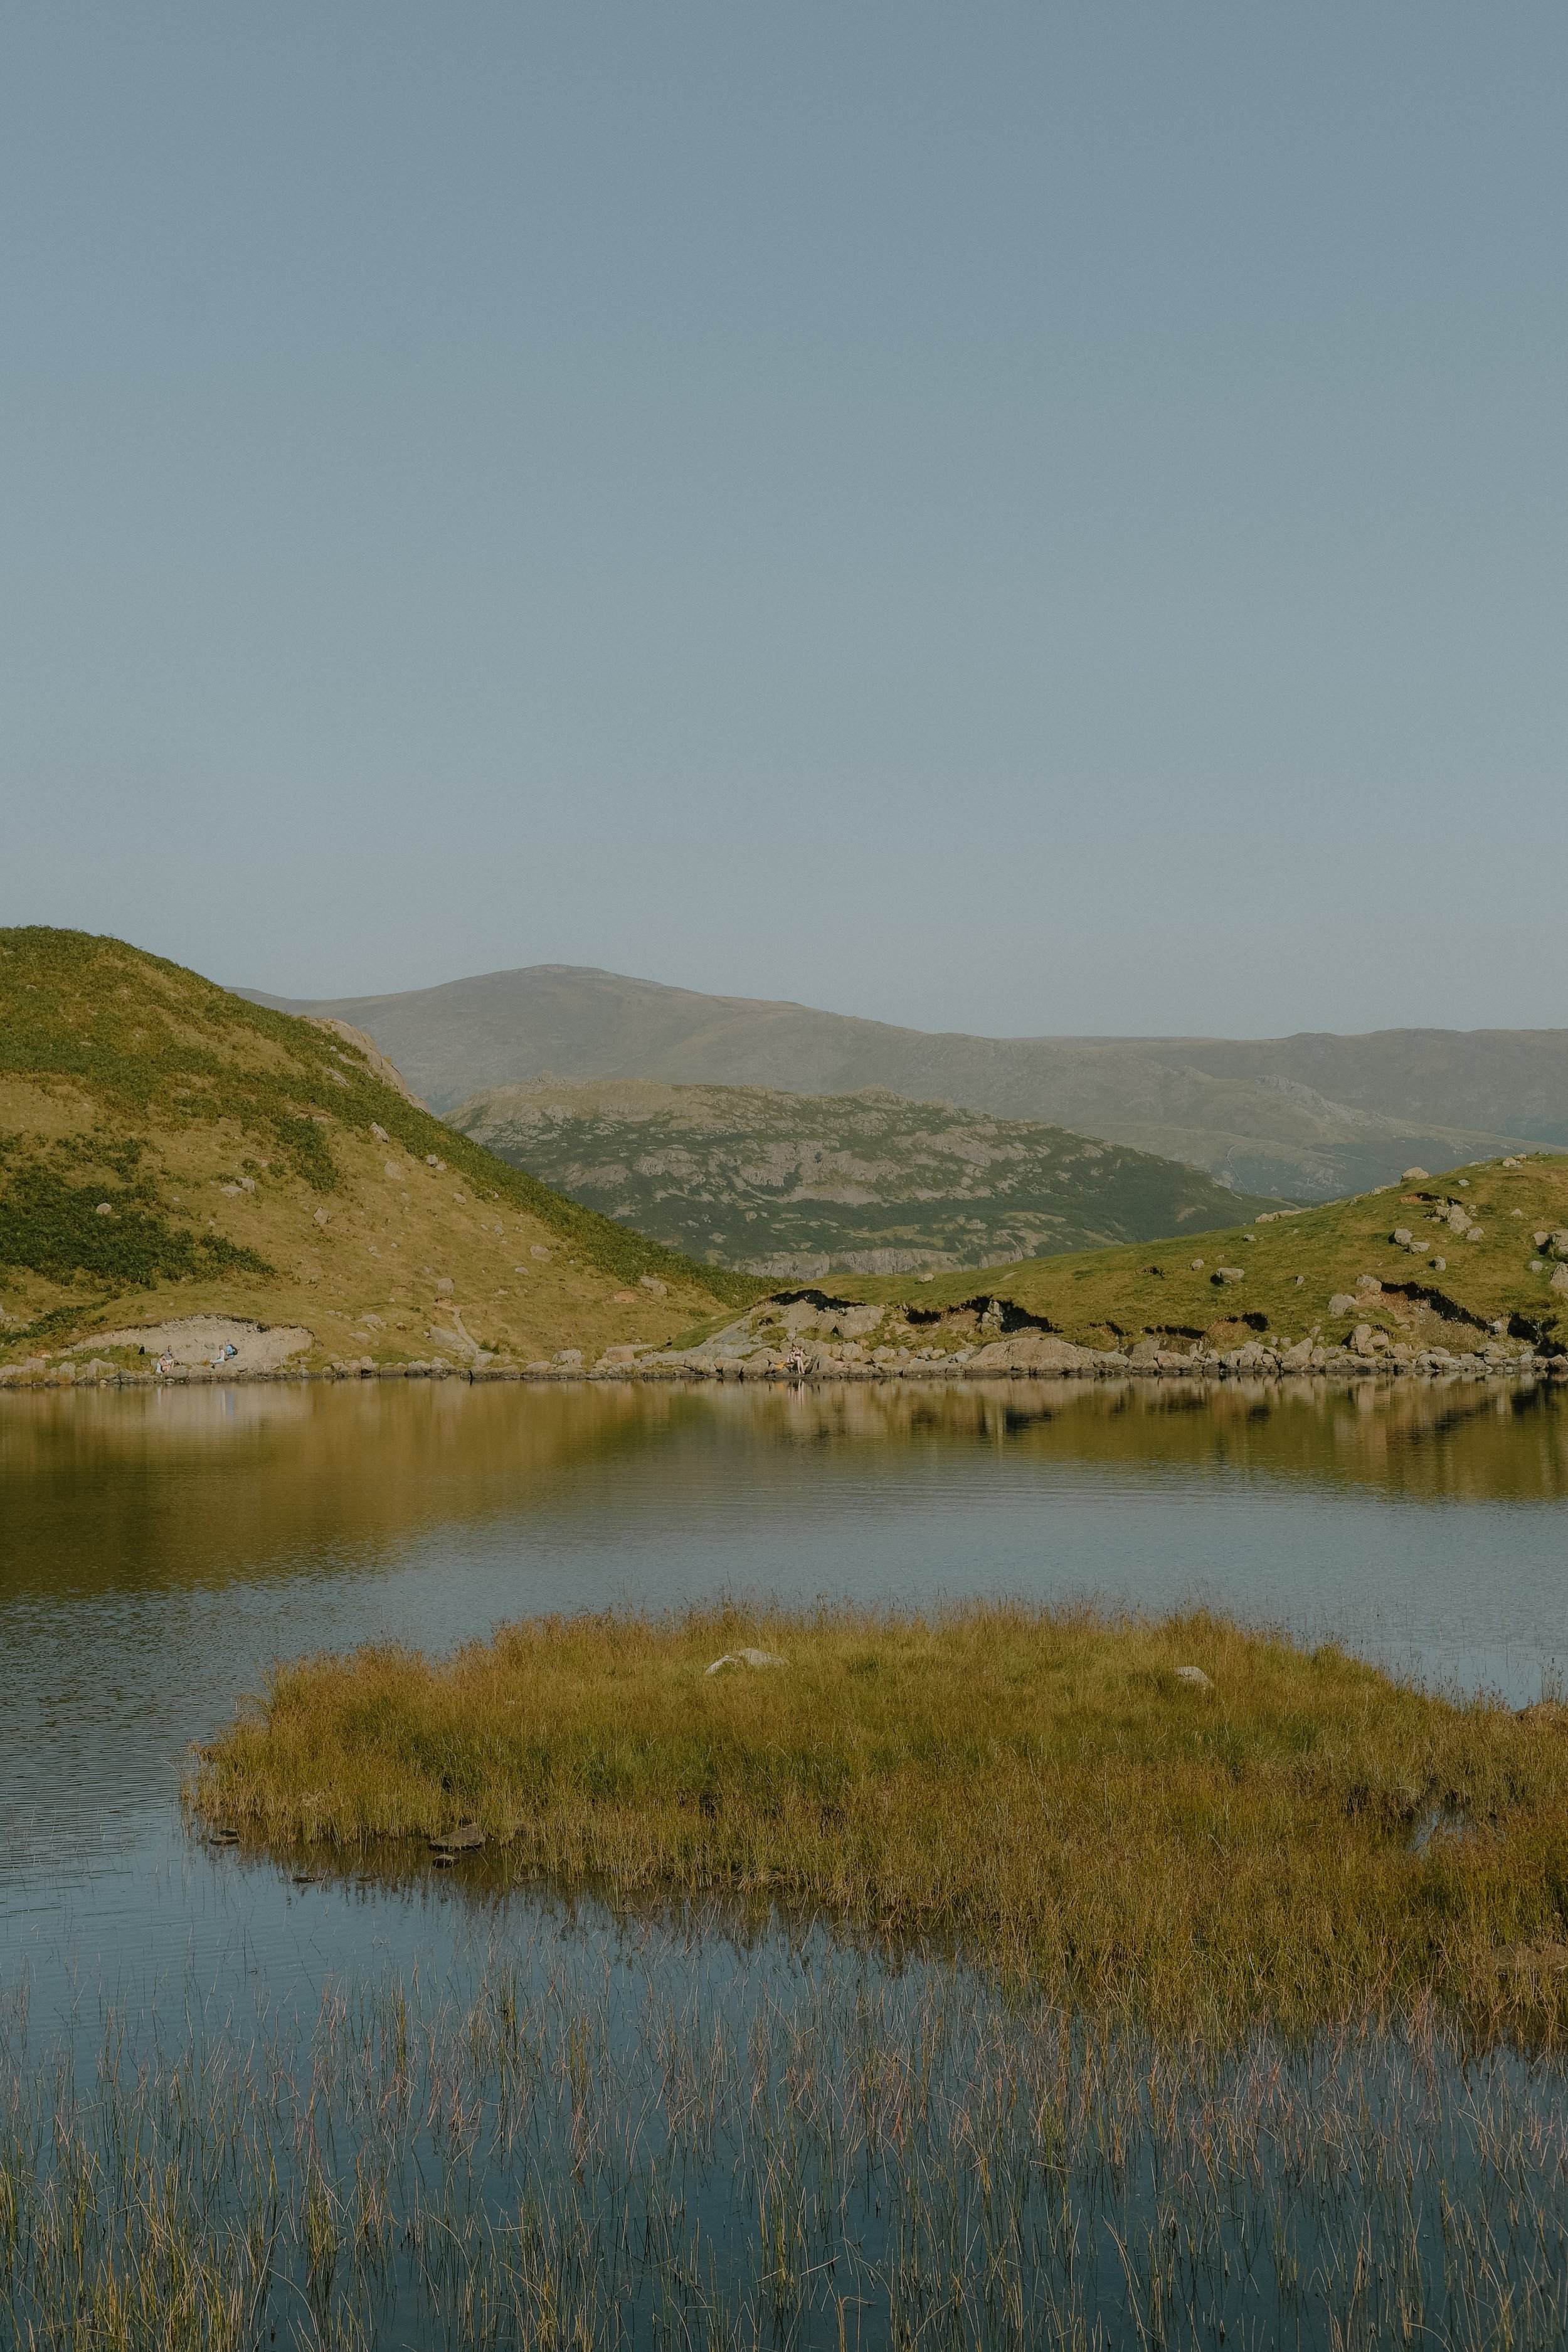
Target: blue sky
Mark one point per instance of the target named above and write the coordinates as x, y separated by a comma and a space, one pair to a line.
1038, 518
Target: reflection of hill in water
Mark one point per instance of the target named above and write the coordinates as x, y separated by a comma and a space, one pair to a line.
151, 1490
198, 1487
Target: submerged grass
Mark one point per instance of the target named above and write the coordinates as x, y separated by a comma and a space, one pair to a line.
713, 2148
1298, 1839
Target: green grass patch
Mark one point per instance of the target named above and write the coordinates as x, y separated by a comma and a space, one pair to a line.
1300, 1841
51, 1227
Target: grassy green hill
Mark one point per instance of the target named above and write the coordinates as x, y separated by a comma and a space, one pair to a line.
168, 1150
1487, 1247
786, 1185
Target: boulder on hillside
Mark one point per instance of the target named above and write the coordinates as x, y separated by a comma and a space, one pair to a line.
1030, 1352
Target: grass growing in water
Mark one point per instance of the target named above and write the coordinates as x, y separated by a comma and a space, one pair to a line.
597, 2145
1297, 1841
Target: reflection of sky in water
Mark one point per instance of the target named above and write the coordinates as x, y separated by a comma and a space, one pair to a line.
159, 1552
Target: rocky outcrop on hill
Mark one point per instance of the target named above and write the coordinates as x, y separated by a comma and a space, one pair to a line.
794, 1187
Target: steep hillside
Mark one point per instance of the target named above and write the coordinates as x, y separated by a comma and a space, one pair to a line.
1305, 1118
1476, 1255
167, 1150
785, 1184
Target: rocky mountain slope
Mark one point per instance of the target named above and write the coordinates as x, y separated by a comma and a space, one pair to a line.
169, 1153
799, 1185
1307, 1117
1476, 1258
1462, 1273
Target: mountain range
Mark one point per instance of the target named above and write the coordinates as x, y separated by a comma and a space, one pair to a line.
180, 1169
1307, 1118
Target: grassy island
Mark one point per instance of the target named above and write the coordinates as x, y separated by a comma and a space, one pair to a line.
1283, 1834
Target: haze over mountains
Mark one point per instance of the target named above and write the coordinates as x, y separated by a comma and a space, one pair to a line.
1309, 1117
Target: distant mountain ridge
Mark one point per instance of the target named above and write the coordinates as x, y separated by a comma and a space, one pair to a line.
1311, 1116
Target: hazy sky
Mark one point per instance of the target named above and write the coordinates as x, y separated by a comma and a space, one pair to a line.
1016, 518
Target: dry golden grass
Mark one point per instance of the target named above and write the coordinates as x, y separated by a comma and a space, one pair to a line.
1039, 1790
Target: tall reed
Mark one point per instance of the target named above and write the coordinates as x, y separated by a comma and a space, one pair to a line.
705, 2145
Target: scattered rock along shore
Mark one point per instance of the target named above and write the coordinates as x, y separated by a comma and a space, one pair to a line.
1248, 1364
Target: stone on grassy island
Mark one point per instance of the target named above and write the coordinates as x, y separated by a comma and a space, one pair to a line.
1401, 1234
1560, 1279
746, 1658
1414, 1176
1194, 1677
1228, 1274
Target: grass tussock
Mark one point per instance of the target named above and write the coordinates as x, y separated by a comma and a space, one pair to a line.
1298, 1839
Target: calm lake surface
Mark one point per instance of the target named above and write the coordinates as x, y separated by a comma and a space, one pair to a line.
159, 1548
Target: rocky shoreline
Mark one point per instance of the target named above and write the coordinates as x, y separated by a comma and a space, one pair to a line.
803, 1339
1262, 1366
